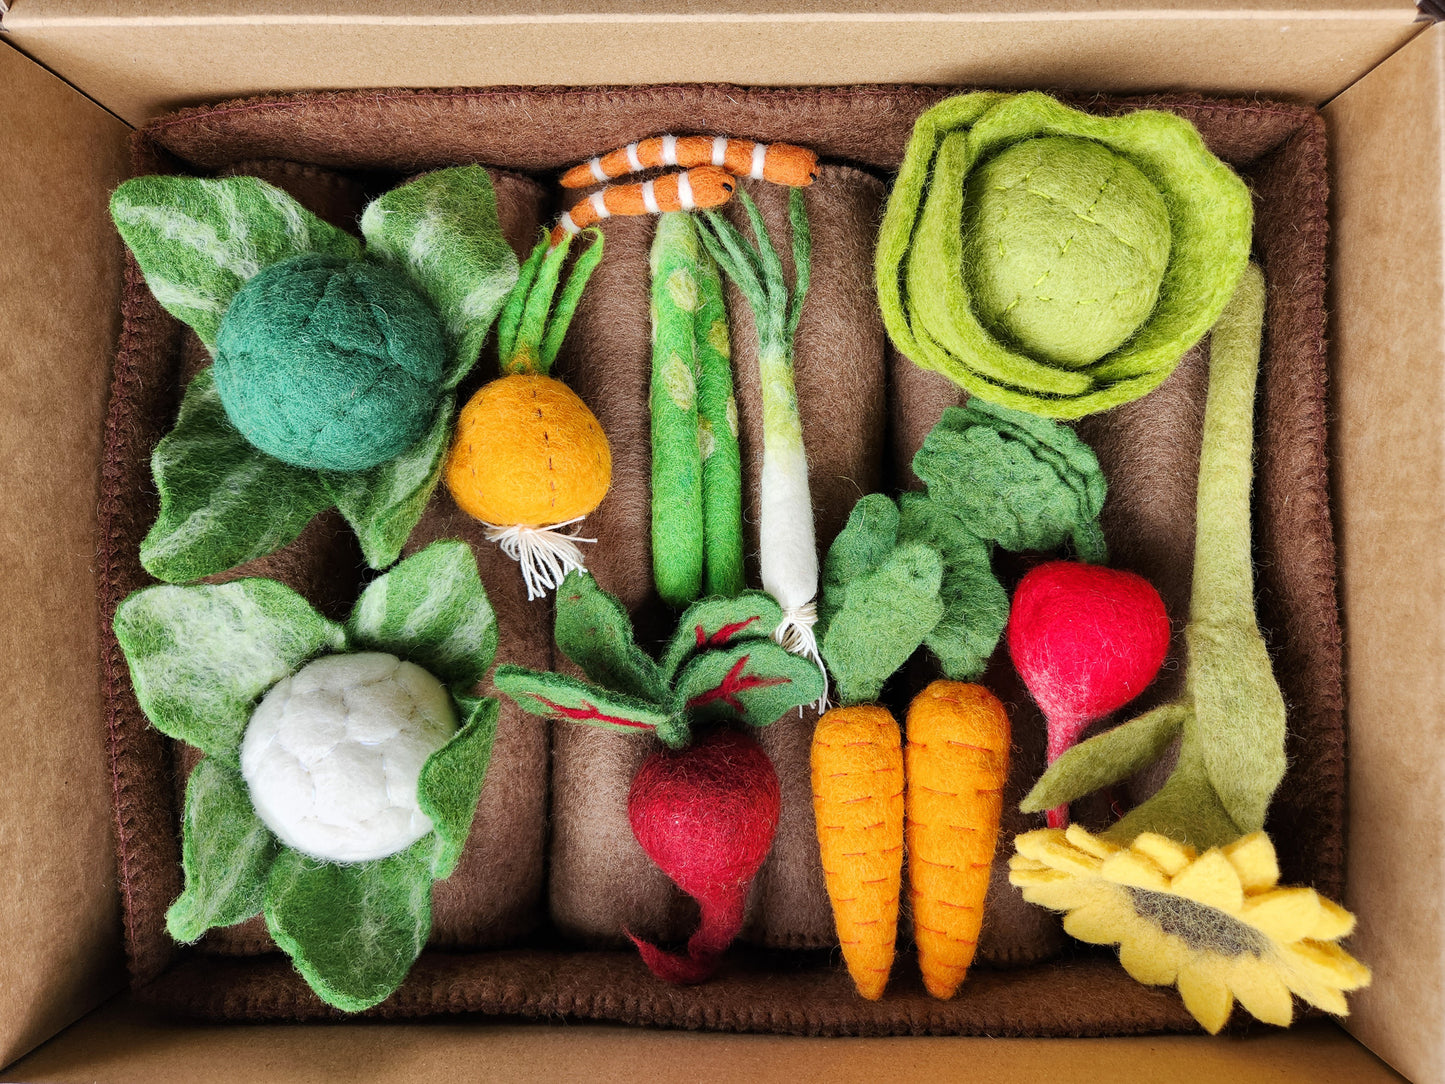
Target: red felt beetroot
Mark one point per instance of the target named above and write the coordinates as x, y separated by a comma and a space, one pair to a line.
706, 815
1086, 640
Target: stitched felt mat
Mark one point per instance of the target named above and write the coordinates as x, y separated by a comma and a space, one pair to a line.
522, 928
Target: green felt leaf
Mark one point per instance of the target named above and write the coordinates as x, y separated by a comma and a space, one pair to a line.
223, 501
755, 682
353, 931
861, 547
385, 503
198, 241
200, 657
451, 781
568, 700
887, 614
1025, 482
717, 623
442, 230
1106, 758
226, 853
594, 630
975, 604
431, 610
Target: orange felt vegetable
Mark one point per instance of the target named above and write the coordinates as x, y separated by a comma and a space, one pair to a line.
957, 755
858, 805
781, 163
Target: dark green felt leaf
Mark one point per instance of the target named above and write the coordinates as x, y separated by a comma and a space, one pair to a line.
887, 614
431, 610
755, 682
1106, 758
223, 501
717, 623
442, 230
1023, 481
568, 700
353, 931
198, 241
385, 503
226, 853
200, 657
861, 547
451, 781
594, 631
975, 605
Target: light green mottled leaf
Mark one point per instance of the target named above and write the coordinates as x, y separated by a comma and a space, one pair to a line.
451, 781
385, 503
442, 230
755, 682
200, 657
353, 931
1106, 758
198, 241
595, 632
223, 501
718, 623
431, 610
226, 853
568, 700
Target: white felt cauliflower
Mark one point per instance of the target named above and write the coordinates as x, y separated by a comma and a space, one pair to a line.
333, 753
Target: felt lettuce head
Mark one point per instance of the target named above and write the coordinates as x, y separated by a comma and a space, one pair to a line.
1055, 261
336, 364
342, 762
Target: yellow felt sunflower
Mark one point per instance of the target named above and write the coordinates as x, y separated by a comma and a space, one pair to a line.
1217, 925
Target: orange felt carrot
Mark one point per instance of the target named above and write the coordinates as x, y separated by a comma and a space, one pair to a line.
781, 163
958, 750
705, 186
858, 805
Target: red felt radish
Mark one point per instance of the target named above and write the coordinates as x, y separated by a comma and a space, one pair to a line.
706, 815
1086, 640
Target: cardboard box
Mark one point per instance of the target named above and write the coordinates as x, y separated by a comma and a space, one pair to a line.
75, 73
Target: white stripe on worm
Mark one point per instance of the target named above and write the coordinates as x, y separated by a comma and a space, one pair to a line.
634, 163
684, 192
760, 154
595, 165
719, 150
649, 198
599, 204
669, 150
567, 224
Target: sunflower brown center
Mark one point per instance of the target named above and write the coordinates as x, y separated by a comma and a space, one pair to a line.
1203, 928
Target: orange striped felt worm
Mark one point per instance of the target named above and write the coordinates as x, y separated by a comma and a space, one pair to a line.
705, 186
781, 163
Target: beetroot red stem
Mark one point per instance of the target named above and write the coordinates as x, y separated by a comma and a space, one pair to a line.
721, 921
1063, 734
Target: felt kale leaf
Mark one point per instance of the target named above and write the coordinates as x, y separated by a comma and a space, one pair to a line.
919, 570
343, 763
721, 665
335, 365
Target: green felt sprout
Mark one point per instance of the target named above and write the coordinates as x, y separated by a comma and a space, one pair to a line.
919, 570
343, 763
721, 665
336, 366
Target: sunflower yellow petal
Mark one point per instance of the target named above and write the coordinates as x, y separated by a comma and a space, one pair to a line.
1087, 842
1048, 845
1285, 914
1169, 856
1033, 874
1253, 858
1332, 923
1324, 961
1149, 960
1137, 870
1059, 896
1262, 993
1211, 880
1095, 923
1205, 996
1321, 995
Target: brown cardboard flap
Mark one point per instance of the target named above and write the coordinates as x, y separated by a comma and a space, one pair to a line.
1388, 139
59, 273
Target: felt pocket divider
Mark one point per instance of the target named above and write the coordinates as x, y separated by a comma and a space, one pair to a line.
1279, 149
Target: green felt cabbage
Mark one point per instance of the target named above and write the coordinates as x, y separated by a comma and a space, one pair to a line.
200, 657
451, 780
198, 241
431, 610
223, 500
226, 854
442, 228
755, 682
353, 931
927, 261
595, 632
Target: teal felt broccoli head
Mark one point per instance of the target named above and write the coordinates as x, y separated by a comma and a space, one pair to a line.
336, 365
343, 763
722, 665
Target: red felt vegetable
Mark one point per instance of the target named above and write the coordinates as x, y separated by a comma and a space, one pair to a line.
706, 815
1086, 640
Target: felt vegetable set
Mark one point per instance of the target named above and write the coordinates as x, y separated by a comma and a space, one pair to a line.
1052, 263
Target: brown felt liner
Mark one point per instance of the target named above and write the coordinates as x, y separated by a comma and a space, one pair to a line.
865, 411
